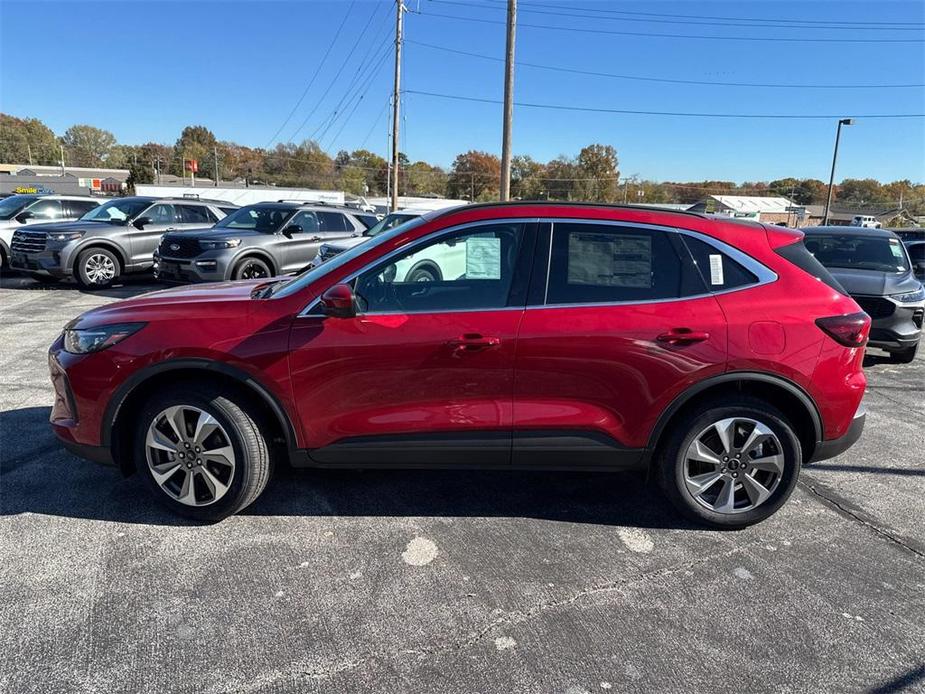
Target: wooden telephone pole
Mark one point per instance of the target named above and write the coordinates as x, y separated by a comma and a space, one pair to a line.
508, 102
396, 102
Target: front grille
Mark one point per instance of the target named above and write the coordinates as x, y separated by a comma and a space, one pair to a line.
28, 241
875, 306
186, 247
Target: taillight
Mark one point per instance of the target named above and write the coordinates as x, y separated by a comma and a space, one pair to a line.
850, 330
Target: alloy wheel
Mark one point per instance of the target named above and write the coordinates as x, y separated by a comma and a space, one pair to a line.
253, 271
189, 455
734, 465
100, 268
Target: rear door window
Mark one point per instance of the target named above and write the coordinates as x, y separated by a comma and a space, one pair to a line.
46, 209
333, 222
161, 214
600, 263
78, 208
196, 214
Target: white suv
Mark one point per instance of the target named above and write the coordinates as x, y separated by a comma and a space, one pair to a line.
865, 221
18, 210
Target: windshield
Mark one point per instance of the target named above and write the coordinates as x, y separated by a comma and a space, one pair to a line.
390, 221
850, 251
306, 277
11, 206
265, 219
117, 211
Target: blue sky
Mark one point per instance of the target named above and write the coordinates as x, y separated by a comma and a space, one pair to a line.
145, 69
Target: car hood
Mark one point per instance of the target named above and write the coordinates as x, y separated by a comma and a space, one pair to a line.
171, 302
210, 234
75, 225
872, 283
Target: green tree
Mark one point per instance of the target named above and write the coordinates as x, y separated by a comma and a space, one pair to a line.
420, 178
859, 191
20, 137
560, 178
598, 173
527, 178
195, 142
86, 145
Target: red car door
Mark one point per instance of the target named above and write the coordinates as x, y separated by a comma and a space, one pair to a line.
619, 322
424, 372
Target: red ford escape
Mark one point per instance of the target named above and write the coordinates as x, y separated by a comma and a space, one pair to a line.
717, 355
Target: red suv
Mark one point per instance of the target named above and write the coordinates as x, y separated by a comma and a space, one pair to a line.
717, 355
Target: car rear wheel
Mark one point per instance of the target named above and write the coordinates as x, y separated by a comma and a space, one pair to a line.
904, 356
97, 268
202, 453
730, 464
252, 269
422, 274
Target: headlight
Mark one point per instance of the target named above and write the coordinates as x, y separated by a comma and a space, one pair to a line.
84, 341
216, 245
910, 297
64, 235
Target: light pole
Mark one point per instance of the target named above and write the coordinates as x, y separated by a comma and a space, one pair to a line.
828, 199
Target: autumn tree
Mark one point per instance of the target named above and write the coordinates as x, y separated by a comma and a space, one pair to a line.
86, 145
859, 191
559, 181
527, 178
195, 142
27, 140
597, 173
475, 176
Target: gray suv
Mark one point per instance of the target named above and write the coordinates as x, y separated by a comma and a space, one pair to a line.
262, 240
117, 237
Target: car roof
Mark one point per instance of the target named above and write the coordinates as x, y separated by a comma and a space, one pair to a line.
565, 203
849, 230
308, 205
193, 201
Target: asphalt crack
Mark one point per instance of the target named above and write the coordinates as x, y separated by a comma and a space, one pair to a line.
840, 506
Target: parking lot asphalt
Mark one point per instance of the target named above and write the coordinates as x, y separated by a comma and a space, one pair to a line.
449, 581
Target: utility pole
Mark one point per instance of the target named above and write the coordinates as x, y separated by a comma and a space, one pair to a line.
63, 172
828, 199
29, 150
157, 169
626, 185
508, 101
215, 156
396, 101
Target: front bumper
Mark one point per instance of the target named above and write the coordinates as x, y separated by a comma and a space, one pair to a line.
202, 268
52, 262
833, 447
894, 325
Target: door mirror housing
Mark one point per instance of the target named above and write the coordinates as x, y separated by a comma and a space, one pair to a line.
292, 229
141, 222
24, 216
339, 302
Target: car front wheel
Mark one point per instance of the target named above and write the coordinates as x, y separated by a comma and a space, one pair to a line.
252, 269
202, 452
730, 464
97, 268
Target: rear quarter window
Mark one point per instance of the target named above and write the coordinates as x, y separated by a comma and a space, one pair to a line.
718, 270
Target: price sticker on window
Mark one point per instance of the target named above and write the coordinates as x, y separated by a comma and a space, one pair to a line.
716, 269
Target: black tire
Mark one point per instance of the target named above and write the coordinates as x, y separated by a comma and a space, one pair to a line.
670, 461
252, 456
905, 356
90, 260
422, 274
251, 269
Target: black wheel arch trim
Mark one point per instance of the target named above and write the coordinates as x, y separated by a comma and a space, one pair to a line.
124, 390
97, 242
732, 377
249, 253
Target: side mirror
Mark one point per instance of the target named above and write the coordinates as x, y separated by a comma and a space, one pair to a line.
24, 217
338, 302
141, 222
292, 229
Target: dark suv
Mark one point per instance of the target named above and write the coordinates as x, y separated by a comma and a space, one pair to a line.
115, 238
716, 354
875, 269
255, 242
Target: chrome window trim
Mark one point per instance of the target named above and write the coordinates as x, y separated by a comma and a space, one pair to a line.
764, 274
401, 249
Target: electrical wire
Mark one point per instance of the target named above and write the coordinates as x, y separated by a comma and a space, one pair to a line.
680, 114
593, 73
314, 76
610, 32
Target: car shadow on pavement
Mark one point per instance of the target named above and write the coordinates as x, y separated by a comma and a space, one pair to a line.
127, 287
38, 476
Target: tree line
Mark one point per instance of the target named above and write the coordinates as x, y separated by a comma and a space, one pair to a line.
593, 174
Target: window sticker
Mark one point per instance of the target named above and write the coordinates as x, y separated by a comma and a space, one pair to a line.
716, 269
610, 260
483, 258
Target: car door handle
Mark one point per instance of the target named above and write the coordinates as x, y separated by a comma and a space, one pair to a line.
473, 343
314, 238
170, 229
683, 336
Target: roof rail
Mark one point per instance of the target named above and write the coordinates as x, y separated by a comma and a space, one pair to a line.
565, 203
304, 202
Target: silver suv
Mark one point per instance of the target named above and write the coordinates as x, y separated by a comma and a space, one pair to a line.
19, 210
262, 240
115, 238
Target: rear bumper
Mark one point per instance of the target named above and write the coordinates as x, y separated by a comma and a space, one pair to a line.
833, 447
96, 454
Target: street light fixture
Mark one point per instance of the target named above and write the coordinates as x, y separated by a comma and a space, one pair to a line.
828, 200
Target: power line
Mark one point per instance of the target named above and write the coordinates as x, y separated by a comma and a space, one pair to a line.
314, 76
610, 32
860, 24
369, 81
682, 114
593, 73
375, 123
